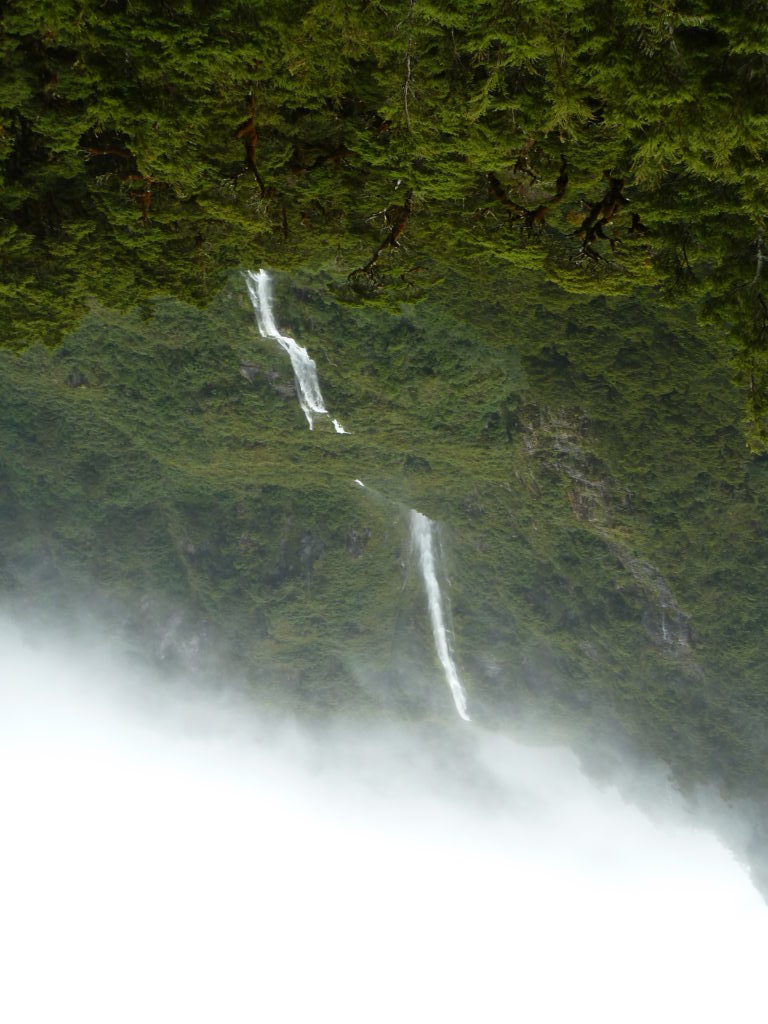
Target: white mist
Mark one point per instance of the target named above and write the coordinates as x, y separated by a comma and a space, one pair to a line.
170, 858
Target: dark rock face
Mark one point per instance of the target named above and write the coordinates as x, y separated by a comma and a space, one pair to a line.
253, 373
76, 379
357, 540
416, 464
310, 549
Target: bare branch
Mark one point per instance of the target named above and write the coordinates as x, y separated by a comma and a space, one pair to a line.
761, 258
406, 87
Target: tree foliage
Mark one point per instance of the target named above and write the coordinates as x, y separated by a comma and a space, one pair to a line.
146, 149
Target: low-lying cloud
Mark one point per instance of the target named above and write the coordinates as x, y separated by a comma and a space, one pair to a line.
173, 855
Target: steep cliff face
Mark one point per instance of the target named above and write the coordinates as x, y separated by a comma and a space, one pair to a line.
604, 532
560, 441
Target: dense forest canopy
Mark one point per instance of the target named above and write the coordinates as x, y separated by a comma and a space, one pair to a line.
147, 148
526, 246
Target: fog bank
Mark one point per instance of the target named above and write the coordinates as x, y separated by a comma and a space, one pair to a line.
172, 855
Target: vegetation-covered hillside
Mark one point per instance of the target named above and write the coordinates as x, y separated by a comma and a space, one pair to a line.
525, 244
604, 522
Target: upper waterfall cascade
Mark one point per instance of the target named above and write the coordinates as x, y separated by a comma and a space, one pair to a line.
304, 367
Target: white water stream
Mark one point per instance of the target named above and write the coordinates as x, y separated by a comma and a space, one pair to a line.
422, 528
304, 367
423, 536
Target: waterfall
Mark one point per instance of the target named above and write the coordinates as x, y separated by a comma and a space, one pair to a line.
422, 528
304, 368
423, 536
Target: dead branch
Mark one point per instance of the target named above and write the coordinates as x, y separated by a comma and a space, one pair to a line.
397, 217
143, 194
760, 259
601, 213
538, 216
407, 82
124, 154
523, 162
250, 137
